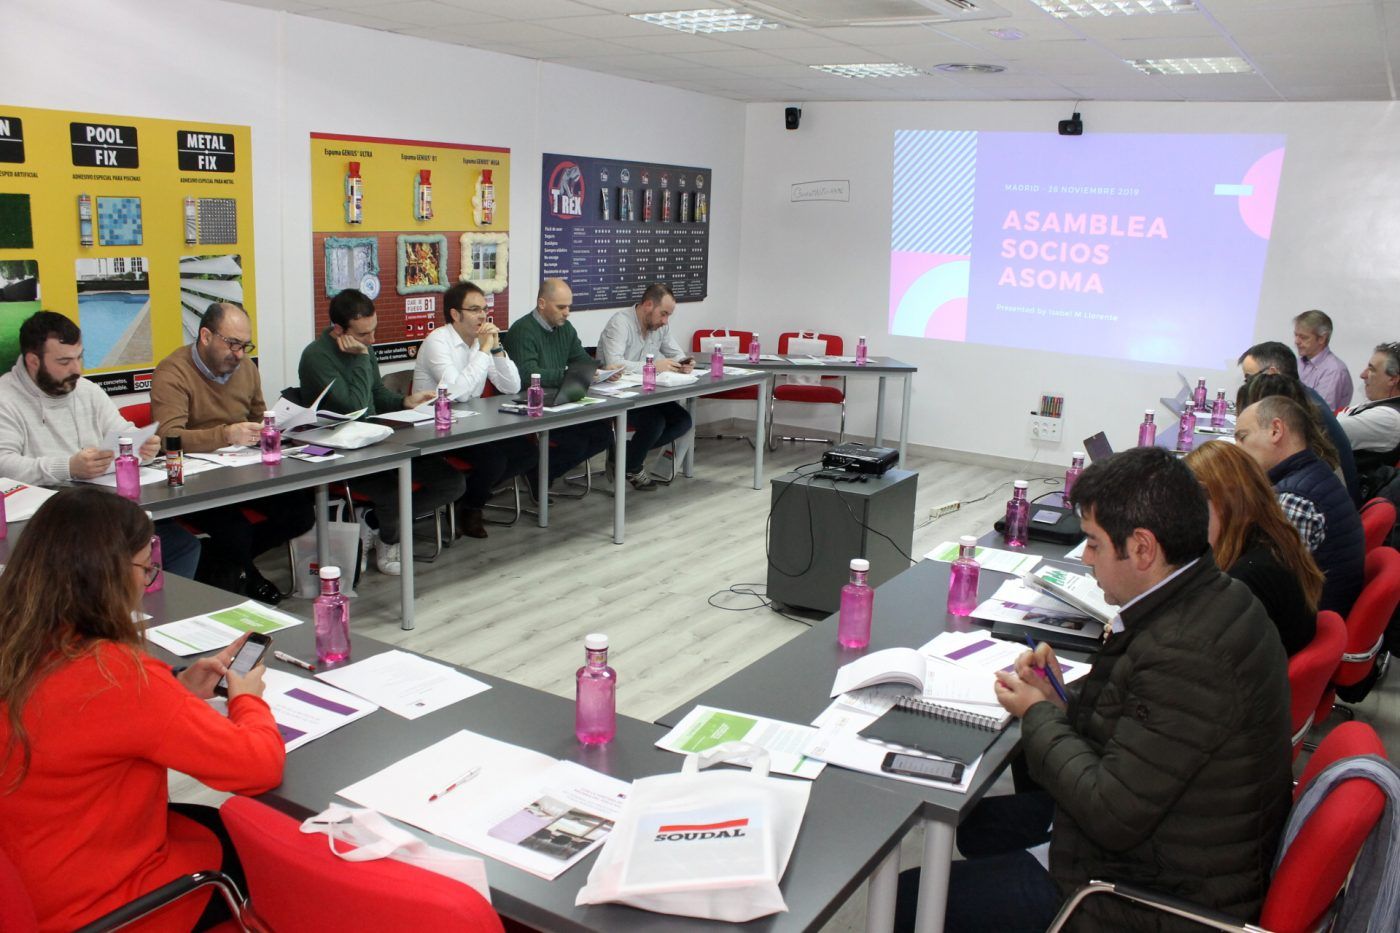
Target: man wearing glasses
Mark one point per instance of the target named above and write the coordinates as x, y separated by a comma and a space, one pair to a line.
205, 395
1373, 427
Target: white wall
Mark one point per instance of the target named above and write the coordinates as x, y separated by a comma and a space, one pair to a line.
825, 265
288, 76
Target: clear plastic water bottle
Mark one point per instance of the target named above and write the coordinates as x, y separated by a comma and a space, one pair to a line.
157, 560
595, 699
754, 351
649, 374
1076, 467
442, 409
1018, 515
270, 439
128, 471
1201, 395
1218, 410
962, 578
1186, 430
534, 397
862, 351
174, 461
331, 611
857, 604
716, 362
1147, 431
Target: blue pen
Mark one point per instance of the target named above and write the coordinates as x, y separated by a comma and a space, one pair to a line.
1047, 673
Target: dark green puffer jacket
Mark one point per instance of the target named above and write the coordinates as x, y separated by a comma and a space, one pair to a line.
1172, 766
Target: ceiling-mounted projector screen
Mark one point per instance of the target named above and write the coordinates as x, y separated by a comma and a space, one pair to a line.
1147, 247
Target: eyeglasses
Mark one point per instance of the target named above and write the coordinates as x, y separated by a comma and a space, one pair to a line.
474, 309
236, 345
152, 571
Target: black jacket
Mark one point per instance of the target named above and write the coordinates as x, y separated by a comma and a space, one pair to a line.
1342, 553
1279, 591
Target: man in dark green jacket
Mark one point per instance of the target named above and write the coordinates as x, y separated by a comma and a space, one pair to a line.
544, 342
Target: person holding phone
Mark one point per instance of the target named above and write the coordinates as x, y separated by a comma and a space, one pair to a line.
90, 723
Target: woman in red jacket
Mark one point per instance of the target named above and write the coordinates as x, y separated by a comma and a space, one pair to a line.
89, 723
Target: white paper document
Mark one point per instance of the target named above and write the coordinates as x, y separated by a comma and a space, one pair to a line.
417, 415
979, 651
989, 558
229, 456
704, 727
138, 436
1077, 552
214, 630
405, 684
147, 475
305, 709
21, 499
513, 804
291, 415
839, 744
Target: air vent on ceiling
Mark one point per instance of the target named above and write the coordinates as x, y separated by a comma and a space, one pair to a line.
816, 14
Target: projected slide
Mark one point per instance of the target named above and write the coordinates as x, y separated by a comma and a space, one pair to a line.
1145, 247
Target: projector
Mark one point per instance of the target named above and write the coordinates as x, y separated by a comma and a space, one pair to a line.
857, 458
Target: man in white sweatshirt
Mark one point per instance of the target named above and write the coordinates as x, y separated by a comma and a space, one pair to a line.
53, 422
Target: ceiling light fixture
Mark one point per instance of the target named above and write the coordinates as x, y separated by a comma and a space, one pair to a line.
706, 21
1191, 66
1063, 9
1007, 34
971, 68
876, 70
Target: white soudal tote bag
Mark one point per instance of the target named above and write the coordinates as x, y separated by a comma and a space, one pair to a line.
708, 844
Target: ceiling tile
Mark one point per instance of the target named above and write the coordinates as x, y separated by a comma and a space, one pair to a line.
730, 58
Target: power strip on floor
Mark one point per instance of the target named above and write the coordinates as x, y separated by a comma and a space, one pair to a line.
938, 511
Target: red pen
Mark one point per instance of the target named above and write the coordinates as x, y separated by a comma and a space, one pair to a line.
467, 776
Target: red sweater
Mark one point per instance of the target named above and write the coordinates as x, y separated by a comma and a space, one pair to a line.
88, 828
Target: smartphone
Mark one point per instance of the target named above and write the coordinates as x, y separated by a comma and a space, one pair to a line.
313, 450
929, 769
247, 658
685, 361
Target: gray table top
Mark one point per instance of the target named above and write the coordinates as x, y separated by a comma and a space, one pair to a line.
875, 366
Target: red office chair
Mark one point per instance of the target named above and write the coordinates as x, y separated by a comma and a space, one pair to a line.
138, 414
1310, 670
1377, 521
295, 883
745, 394
1316, 866
829, 390
1366, 624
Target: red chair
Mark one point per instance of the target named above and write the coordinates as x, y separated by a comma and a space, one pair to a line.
828, 390
699, 342
1377, 521
1366, 624
138, 414
295, 883
1310, 670
1316, 866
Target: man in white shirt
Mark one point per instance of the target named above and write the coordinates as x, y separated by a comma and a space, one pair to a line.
629, 337
1318, 367
1373, 427
464, 355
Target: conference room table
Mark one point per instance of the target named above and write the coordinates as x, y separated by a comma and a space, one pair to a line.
838, 847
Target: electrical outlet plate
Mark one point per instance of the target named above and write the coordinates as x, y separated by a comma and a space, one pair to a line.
1045, 429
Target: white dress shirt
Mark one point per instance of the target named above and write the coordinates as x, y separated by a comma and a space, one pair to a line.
446, 357
622, 342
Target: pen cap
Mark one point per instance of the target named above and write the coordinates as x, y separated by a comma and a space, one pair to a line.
595, 642
330, 573
860, 564
967, 541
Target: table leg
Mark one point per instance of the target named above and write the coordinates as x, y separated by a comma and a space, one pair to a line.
542, 479
880, 414
689, 463
933, 879
880, 895
904, 414
323, 530
406, 543
619, 477
760, 441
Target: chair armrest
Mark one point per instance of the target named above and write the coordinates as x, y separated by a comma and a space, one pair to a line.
1151, 899
152, 901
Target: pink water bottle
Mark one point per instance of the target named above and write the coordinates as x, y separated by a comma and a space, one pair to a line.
1076, 467
1217, 410
1186, 430
1147, 431
270, 439
857, 604
442, 409
754, 352
158, 584
962, 578
534, 397
1201, 396
128, 471
862, 351
649, 374
1018, 515
595, 699
716, 361
331, 612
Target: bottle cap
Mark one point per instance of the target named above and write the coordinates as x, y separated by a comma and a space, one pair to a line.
1077, 455
967, 541
1150, 412
442, 384
173, 443
1021, 484
330, 573
270, 414
651, 357
860, 340
860, 564
124, 440
596, 642
534, 375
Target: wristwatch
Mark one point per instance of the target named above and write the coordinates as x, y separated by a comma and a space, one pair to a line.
495, 350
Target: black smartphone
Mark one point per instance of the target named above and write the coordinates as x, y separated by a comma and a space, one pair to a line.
247, 658
685, 360
929, 769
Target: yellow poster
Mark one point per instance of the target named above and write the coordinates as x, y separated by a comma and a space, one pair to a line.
402, 221
130, 226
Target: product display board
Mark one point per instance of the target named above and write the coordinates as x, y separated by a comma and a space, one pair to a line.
404, 220
131, 227
610, 228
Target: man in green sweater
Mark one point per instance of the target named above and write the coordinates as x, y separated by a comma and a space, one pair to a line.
344, 355
544, 342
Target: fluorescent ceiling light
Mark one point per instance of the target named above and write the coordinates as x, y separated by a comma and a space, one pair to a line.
1063, 9
697, 21
976, 68
1191, 66
878, 70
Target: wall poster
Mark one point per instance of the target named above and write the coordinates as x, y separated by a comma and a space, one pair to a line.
130, 226
404, 220
610, 228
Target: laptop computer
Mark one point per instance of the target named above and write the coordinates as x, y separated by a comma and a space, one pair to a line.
1097, 447
574, 386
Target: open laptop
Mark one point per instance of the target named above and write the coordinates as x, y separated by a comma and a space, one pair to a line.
574, 386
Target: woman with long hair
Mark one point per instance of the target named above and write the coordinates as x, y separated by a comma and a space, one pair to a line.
1255, 543
90, 723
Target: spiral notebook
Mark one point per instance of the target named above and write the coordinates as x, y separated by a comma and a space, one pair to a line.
933, 728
